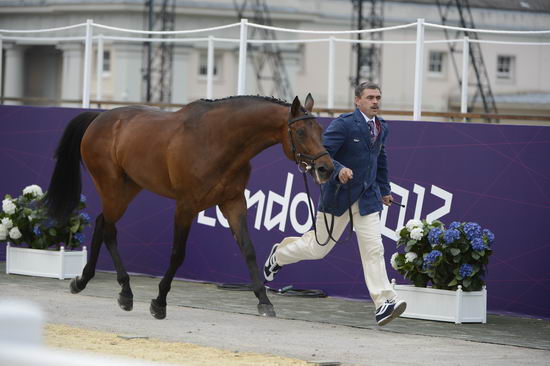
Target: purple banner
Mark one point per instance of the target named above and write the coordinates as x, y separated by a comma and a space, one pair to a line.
495, 175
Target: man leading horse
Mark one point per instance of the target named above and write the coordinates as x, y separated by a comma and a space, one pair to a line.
355, 141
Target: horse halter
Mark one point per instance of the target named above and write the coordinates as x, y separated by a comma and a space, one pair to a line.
305, 162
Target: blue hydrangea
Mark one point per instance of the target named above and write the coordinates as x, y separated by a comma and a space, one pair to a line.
434, 235
489, 235
36, 231
85, 217
472, 230
79, 237
478, 244
451, 235
33, 204
430, 259
82, 198
454, 225
465, 270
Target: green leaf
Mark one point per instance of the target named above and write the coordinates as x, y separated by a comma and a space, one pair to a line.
52, 231
475, 255
455, 251
466, 283
74, 227
410, 244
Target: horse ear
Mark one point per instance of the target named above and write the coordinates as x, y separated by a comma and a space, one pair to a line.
309, 103
295, 107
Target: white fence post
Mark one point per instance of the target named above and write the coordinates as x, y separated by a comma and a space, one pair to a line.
87, 65
419, 70
99, 68
465, 75
241, 83
330, 90
210, 67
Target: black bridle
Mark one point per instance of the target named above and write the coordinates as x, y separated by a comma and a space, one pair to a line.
305, 164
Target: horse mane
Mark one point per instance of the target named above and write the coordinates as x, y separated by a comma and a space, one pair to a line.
236, 97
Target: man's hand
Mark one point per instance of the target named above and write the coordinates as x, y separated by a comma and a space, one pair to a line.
387, 200
345, 175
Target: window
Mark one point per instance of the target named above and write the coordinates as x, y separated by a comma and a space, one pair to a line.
436, 62
106, 62
203, 64
505, 67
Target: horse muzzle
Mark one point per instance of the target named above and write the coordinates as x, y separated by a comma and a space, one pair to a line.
321, 170
322, 173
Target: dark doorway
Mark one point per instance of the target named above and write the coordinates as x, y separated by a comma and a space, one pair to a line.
42, 74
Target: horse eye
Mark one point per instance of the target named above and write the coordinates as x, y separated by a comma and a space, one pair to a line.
300, 132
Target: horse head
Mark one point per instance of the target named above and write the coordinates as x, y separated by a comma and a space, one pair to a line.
305, 141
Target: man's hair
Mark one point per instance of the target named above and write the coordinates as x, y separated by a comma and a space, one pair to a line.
366, 85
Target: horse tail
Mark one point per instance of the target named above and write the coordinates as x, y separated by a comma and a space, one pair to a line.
63, 195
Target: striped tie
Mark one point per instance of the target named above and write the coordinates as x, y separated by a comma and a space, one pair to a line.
372, 130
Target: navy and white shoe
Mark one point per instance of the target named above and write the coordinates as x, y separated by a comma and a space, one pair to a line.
390, 310
271, 267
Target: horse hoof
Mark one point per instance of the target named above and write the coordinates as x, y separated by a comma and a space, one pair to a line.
125, 302
74, 285
158, 311
266, 310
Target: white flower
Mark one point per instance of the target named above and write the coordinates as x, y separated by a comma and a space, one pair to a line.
417, 233
8, 224
392, 260
3, 232
34, 189
8, 206
15, 233
412, 223
410, 256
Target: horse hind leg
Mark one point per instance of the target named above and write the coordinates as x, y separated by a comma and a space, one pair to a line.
125, 297
79, 283
116, 194
182, 225
235, 212
105, 231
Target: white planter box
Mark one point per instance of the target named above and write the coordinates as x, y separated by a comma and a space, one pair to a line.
443, 305
45, 263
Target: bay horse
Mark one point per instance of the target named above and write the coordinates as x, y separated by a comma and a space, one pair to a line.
199, 156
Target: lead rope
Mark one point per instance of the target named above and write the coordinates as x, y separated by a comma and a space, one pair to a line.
297, 158
331, 228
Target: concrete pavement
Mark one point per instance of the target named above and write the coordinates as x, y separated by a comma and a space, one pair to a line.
310, 329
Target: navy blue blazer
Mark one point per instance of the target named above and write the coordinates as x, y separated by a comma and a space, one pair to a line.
347, 140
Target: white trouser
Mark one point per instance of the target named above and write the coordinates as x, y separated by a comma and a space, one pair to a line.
369, 238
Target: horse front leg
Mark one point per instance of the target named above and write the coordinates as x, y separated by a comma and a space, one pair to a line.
182, 225
235, 212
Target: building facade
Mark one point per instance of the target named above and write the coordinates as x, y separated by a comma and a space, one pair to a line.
53, 69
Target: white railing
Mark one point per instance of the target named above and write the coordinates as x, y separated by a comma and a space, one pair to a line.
243, 40
21, 341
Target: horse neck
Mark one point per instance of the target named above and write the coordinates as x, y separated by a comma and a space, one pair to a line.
259, 127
